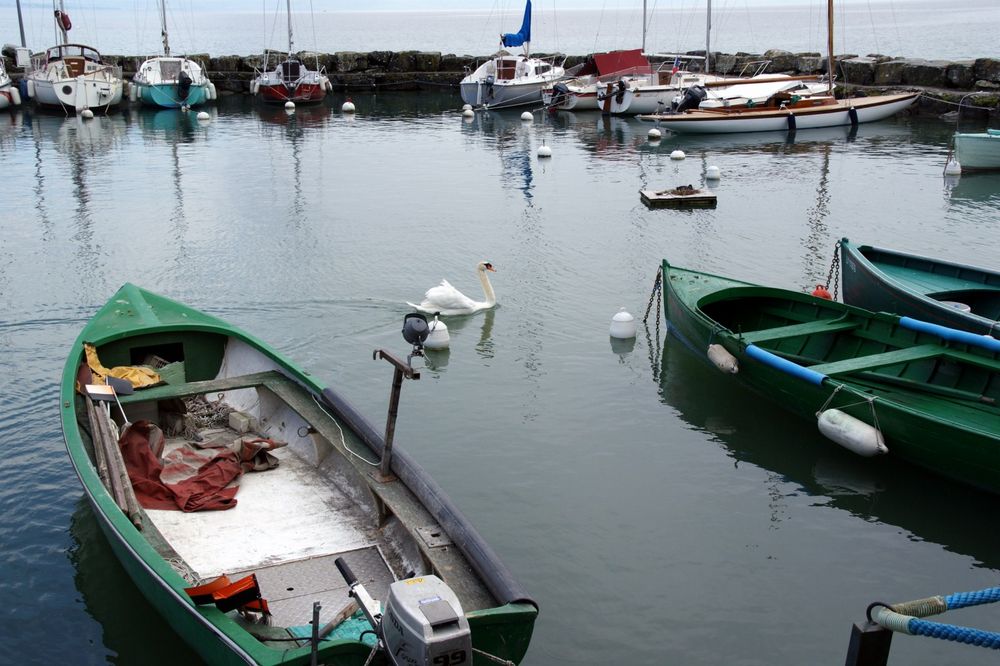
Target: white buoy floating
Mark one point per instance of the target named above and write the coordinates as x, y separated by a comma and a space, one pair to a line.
527, 117
677, 155
713, 173
851, 433
466, 107
622, 325
87, 114
544, 151
203, 115
348, 106
654, 134
953, 168
437, 336
289, 105
468, 113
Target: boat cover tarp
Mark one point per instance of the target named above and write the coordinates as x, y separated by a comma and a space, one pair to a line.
139, 375
190, 477
621, 61
524, 34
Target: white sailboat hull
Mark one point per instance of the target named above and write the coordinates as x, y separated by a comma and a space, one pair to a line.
867, 109
507, 81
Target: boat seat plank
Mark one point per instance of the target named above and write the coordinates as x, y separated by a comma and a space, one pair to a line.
186, 389
872, 361
793, 330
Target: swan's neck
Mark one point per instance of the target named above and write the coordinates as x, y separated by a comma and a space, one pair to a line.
491, 298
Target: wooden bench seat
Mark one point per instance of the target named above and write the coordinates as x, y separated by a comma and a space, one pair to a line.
186, 389
794, 330
872, 361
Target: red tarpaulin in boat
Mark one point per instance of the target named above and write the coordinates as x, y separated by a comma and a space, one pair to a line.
631, 61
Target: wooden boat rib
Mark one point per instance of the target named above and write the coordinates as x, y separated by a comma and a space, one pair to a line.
290, 522
928, 393
935, 290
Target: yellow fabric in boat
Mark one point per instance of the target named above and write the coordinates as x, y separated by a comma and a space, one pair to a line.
139, 375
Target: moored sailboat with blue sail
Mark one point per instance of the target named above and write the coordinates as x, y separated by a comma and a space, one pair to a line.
506, 80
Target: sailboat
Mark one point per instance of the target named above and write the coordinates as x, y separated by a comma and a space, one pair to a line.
171, 82
9, 95
73, 77
290, 80
506, 80
758, 107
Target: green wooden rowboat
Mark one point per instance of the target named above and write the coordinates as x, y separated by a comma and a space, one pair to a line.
875, 382
291, 521
933, 290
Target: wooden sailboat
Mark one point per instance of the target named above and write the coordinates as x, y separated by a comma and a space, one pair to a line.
790, 107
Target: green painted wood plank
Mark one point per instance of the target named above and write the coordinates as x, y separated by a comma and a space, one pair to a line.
793, 330
197, 388
871, 361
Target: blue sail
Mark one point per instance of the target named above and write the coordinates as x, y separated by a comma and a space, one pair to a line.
524, 34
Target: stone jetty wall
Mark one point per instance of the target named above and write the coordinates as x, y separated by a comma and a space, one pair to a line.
945, 82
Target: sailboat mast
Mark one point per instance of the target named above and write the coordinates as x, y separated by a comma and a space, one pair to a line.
20, 23
708, 38
829, 44
163, 27
288, 4
643, 26
60, 26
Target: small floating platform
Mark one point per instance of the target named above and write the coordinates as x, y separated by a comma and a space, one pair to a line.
683, 196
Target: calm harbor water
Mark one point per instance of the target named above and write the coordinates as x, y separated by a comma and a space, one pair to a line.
908, 28
659, 513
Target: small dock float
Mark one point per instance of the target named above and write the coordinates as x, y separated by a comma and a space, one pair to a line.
684, 196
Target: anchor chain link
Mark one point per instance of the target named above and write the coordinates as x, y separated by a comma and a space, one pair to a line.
834, 273
656, 294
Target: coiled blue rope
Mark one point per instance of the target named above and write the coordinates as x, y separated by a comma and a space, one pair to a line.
905, 618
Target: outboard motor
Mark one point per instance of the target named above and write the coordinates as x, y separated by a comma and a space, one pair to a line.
490, 79
183, 86
560, 93
620, 91
423, 622
692, 97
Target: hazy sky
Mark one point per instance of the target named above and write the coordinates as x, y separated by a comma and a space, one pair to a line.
416, 5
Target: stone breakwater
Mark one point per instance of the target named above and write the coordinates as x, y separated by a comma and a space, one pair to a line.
945, 82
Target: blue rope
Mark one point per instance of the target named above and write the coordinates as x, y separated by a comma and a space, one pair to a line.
964, 599
950, 632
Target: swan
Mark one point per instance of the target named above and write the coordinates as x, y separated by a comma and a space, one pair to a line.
446, 300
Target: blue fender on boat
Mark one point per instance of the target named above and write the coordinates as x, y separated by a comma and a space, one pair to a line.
794, 369
951, 334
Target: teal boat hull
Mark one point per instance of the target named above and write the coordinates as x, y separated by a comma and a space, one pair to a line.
165, 96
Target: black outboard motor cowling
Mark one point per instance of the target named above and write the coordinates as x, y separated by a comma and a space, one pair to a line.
183, 85
692, 97
560, 93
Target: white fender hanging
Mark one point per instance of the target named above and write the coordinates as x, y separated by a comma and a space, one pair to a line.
15, 96
722, 359
213, 93
133, 92
31, 89
851, 433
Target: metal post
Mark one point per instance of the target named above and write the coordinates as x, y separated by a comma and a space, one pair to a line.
314, 656
402, 369
869, 645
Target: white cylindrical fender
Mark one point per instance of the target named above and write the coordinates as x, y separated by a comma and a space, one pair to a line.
255, 87
722, 359
213, 93
31, 89
851, 433
133, 92
15, 96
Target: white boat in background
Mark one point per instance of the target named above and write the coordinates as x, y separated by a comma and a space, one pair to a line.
290, 80
779, 103
506, 80
579, 91
9, 94
73, 77
978, 151
171, 82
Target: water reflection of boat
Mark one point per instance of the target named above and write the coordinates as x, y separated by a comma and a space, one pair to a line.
974, 188
305, 116
761, 434
131, 627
